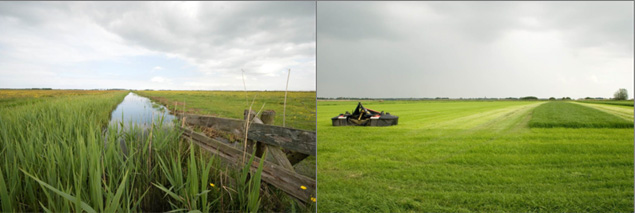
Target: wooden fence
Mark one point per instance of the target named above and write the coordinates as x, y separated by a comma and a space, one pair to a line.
279, 172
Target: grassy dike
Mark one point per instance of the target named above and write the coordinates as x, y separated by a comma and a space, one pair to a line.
462, 156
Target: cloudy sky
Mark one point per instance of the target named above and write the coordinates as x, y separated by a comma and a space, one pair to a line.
157, 45
474, 49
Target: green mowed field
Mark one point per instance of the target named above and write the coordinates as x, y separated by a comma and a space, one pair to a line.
461, 156
610, 102
622, 111
566, 114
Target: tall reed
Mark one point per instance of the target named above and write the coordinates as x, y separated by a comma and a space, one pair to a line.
59, 155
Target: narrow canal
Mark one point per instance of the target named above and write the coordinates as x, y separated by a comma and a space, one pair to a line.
139, 111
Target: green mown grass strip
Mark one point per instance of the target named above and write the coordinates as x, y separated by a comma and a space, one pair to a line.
619, 103
569, 115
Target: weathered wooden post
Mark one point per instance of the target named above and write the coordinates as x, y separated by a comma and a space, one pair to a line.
251, 144
268, 117
275, 152
279, 157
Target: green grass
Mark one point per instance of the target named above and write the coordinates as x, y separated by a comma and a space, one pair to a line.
59, 155
613, 102
12, 97
463, 156
300, 111
570, 115
231, 104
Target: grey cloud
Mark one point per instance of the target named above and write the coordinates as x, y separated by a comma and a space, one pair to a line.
474, 49
354, 21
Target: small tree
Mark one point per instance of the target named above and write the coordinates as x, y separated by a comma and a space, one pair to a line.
621, 94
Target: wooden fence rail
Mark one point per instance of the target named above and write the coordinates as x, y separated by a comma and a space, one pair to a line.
276, 175
291, 139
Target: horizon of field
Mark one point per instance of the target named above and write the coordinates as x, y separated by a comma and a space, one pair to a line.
461, 156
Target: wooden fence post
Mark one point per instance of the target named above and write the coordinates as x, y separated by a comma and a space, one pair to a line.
279, 157
252, 144
268, 116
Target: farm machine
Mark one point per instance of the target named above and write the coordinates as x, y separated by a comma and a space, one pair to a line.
365, 117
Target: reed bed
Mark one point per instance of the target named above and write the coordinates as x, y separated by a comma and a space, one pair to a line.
59, 155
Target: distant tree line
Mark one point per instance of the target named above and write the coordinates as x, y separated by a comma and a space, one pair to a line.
621, 94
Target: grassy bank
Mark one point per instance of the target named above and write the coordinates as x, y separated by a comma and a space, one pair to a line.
470, 156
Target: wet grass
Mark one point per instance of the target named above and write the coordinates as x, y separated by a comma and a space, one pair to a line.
570, 115
58, 155
466, 156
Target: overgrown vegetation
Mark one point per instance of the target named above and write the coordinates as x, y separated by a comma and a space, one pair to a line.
564, 114
463, 156
59, 155
230, 104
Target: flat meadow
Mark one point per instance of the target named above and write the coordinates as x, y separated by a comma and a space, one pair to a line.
462, 156
300, 109
58, 153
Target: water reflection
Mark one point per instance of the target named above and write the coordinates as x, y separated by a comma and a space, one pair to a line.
141, 112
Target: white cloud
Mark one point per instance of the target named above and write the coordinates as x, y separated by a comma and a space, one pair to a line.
216, 38
159, 79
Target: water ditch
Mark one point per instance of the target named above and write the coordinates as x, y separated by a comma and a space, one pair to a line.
137, 115
141, 112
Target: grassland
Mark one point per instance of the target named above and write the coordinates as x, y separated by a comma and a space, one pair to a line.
610, 102
58, 155
231, 104
9, 98
565, 114
622, 111
462, 156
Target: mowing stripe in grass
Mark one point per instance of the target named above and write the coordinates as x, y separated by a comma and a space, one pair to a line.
494, 163
611, 102
565, 114
621, 111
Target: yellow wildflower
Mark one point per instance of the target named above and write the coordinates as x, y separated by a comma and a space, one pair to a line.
313, 199
212, 185
303, 187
